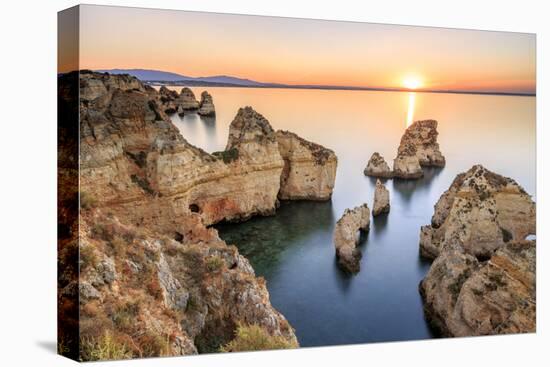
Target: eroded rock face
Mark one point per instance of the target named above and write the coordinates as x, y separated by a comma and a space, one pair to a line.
481, 211
206, 105
187, 100
381, 199
377, 167
147, 196
309, 169
482, 281
345, 237
169, 100
418, 148
466, 297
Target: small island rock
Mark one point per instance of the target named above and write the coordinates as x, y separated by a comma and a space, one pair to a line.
345, 237
418, 148
381, 199
377, 167
206, 105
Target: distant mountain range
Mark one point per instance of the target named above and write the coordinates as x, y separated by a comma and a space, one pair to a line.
165, 77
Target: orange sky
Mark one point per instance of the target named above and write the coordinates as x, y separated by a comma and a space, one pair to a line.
301, 51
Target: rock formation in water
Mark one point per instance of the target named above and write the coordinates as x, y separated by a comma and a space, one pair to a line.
464, 296
169, 101
187, 100
482, 280
377, 167
206, 105
309, 169
481, 211
345, 237
153, 277
381, 199
418, 148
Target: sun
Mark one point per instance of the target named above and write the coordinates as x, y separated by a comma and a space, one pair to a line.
412, 82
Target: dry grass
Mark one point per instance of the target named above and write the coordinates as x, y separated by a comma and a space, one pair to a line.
254, 337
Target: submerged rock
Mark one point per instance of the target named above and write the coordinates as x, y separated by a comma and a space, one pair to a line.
206, 105
481, 211
377, 167
418, 148
482, 281
345, 237
309, 169
381, 199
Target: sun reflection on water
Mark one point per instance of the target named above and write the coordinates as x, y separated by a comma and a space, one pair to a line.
410, 111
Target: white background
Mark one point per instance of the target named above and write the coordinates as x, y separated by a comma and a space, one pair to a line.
28, 181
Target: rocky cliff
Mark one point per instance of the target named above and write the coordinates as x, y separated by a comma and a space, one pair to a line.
152, 266
482, 280
345, 237
418, 148
309, 169
481, 211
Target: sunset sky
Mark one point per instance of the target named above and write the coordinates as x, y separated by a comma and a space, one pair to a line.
301, 51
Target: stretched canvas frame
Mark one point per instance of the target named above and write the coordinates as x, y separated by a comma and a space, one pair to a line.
267, 213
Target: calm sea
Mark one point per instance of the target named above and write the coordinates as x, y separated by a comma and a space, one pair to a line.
293, 250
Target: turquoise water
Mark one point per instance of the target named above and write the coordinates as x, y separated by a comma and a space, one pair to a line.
293, 250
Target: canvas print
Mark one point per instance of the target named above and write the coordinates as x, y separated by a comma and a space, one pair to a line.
235, 183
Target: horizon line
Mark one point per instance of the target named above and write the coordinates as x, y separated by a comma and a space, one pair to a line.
187, 82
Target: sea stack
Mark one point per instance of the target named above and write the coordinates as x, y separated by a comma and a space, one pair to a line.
345, 237
381, 199
418, 148
187, 100
309, 171
482, 281
206, 105
377, 167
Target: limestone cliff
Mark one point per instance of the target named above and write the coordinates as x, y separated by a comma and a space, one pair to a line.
481, 211
187, 100
465, 297
482, 281
345, 237
155, 280
309, 169
418, 148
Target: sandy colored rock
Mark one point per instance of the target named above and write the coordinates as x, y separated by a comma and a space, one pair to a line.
481, 211
187, 100
345, 237
309, 169
377, 167
466, 297
418, 148
147, 196
206, 105
169, 100
381, 199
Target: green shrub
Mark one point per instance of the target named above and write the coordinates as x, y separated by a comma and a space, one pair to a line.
254, 337
103, 349
214, 263
227, 156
